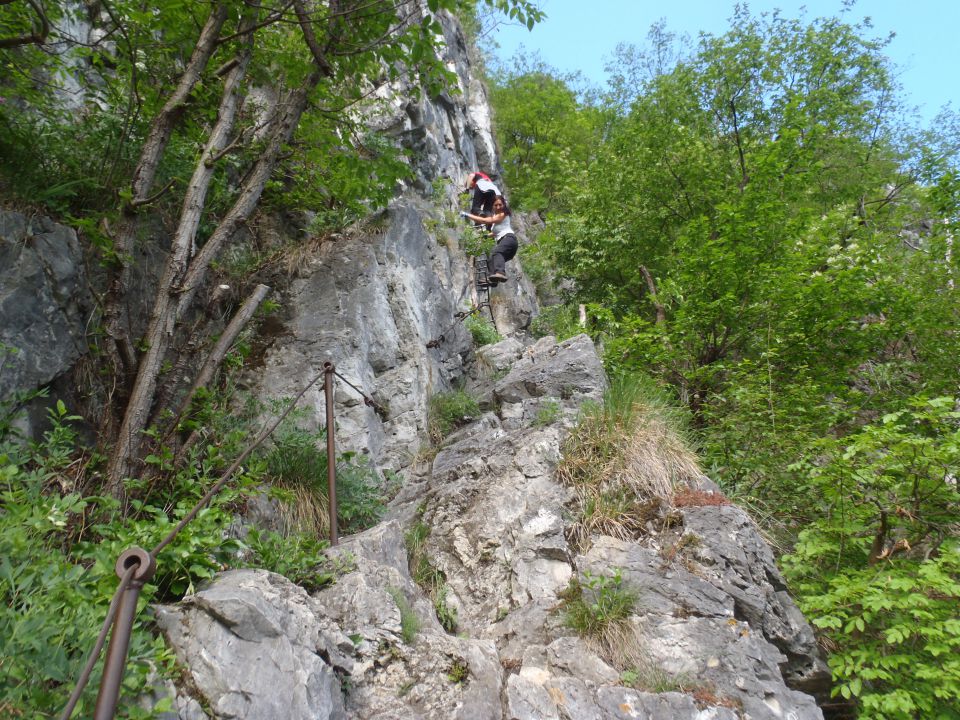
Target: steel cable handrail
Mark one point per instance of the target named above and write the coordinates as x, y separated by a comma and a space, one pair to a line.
97, 646
135, 566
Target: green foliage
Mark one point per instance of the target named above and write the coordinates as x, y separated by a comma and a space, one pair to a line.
57, 576
476, 242
458, 672
409, 622
297, 467
760, 228
546, 135
594, 603
561, 321
430, 578
482, 330
449, 410
878, 569
298, 557
547, 413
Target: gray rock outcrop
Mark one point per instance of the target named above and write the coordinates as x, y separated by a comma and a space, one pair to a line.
712, 634
380, 301
44, 302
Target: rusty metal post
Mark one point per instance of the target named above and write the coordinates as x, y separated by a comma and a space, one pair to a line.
329, 370
116, 659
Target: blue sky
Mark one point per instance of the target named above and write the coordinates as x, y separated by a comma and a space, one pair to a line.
581, 34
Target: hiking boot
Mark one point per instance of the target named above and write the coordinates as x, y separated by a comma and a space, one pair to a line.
497, 277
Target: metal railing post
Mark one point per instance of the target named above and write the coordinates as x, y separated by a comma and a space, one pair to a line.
116, 659
329, 371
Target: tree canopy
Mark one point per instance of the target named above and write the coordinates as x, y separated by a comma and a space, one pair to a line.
754, 222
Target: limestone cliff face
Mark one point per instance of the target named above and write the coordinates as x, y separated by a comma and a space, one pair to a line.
377, 300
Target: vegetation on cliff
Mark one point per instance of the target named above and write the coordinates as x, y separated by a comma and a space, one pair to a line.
753, 222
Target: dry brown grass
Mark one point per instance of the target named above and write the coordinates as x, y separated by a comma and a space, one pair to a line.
619, 644
625, 459
692, 497
303, 510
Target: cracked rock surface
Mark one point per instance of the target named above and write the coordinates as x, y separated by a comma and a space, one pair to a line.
716, 631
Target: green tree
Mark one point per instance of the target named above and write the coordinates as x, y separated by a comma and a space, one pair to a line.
546, 134
878, 570
758, 228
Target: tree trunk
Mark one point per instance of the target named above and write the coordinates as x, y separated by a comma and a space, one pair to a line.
652, 288
219, 351
161, 327
280, 131
115, 301
213, 361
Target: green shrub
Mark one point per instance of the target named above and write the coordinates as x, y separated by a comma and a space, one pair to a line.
561, 321
57, 572
448, 411
878, 568
482, 330
298, 557
596, 602
458, 672
476, 242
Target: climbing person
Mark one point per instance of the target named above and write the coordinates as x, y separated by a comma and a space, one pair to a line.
484, 193
502, 231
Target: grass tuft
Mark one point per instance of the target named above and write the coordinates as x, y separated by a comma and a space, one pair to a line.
409, 622
430, 579
448, 411
625, 455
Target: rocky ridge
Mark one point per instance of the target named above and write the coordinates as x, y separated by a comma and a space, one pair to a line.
719, 635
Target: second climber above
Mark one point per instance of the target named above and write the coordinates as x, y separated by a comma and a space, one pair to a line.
484, 193
506, 247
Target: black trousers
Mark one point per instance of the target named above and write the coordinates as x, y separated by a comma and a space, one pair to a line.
504, 250
482, 204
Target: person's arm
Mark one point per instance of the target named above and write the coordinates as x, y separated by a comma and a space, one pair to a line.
493, 219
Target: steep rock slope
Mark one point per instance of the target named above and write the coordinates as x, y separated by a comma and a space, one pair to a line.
716, 632
380, 300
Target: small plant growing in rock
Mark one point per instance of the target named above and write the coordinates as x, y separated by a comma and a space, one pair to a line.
430, 579
409, 622
445, 614
596, 602
448, 411
649, 678
438, 189
547, 414
681, 548
458, 672
482, 331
